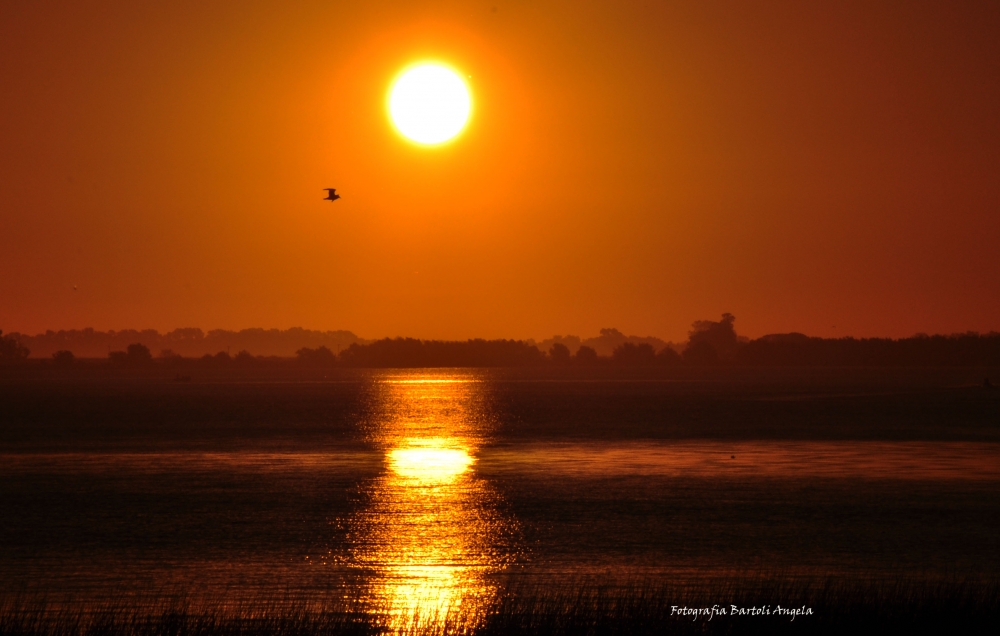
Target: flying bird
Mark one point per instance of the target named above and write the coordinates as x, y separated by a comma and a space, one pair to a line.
331, 194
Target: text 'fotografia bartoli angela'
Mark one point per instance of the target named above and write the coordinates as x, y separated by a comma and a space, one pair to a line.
735, 610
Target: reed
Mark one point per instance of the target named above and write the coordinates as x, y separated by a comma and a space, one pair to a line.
836, 606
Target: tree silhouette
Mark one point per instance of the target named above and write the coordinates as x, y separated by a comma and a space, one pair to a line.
135, 355
559, 353
11, 350
634, 354
721, 336
320, 356
63, 358
700, 354
138, 354
118, 358
585, 355
667, 357
169, 358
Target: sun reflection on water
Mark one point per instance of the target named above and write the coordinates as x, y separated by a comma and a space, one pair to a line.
431, 533
429, 462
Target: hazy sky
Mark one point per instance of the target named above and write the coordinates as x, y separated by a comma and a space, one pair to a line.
831, 168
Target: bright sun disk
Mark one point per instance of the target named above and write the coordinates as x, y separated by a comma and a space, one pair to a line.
429, 104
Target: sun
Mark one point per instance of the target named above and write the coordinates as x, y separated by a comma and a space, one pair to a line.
429, 103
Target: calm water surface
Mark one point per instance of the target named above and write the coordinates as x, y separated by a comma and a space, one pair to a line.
426, 506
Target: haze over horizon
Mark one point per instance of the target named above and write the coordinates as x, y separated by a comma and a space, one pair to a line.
829, 170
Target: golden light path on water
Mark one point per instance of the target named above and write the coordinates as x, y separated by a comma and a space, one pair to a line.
430, 533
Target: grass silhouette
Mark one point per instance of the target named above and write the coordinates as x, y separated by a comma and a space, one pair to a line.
966, 606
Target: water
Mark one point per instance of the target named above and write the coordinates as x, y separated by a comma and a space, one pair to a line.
420, 493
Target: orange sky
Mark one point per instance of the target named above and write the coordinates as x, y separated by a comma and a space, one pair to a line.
827, 169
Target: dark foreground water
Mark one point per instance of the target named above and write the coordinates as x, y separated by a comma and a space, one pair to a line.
425, 491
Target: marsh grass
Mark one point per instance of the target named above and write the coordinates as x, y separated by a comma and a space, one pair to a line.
965, 606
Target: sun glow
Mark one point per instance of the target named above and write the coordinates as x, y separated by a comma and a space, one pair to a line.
431, 462
429, 103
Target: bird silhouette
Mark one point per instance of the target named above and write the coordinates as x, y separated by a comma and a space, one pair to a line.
331, 194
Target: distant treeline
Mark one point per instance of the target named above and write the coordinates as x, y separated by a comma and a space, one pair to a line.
605, 343
716, 343
407, 352
188, 342
710, 343
795, 349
